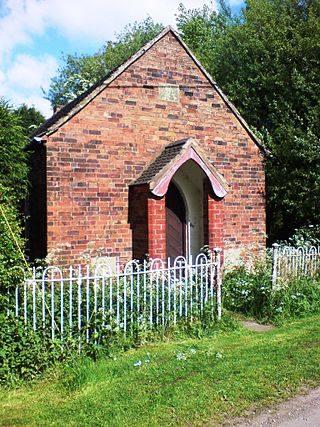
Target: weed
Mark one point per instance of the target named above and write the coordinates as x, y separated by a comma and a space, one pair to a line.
250, 292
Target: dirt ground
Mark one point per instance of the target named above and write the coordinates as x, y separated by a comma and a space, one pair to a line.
301, 411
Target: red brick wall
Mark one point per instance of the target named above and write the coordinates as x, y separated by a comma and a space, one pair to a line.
157, 227
92, 159
214, 218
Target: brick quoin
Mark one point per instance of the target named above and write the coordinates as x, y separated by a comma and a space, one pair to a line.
93, 156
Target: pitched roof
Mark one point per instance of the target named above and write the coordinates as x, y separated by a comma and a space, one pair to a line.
69, 110
160, 172
168, 154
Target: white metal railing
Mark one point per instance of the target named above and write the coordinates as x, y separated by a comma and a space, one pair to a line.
80, 303
288, 262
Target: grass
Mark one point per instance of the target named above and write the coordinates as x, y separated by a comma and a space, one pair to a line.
185, 383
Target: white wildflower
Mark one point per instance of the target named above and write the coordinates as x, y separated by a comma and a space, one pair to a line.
181, 356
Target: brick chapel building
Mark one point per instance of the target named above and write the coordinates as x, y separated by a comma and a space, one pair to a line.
153, 159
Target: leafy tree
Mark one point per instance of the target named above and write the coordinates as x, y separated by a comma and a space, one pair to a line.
13, 189
15, 126
13, 156
267, 60
29, 118
79, 72
11, 242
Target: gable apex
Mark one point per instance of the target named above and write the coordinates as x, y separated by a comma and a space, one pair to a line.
71, 109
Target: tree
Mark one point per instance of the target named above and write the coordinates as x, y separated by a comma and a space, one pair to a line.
13, 155
13, 189
29, 118
15, 126
79, 72
267, 61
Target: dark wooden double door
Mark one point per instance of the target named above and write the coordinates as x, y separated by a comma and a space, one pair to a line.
175, 223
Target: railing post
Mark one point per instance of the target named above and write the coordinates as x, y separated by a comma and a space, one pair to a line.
275, 261
217, 252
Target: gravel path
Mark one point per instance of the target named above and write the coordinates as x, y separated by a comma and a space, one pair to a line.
301, 411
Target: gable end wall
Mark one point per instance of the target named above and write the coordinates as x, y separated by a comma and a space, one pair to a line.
92, 159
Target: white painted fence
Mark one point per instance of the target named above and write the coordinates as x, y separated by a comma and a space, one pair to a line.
288, 262
80, 303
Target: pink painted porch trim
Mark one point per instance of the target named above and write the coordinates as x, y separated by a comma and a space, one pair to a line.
160, 186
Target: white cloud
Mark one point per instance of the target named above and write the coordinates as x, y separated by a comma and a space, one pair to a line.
32, 73
17, 97
43, 105
24, 18
21, 81
95, 19
102, 18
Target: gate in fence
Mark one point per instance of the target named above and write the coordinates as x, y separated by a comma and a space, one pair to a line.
291, 262
81, 303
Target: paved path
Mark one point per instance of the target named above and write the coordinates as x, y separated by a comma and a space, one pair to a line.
301, 411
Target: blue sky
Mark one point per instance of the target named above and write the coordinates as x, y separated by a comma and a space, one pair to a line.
34, 33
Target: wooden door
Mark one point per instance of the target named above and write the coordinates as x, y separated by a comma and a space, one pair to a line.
175, 223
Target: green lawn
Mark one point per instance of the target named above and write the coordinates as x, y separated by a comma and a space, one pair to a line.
185, 383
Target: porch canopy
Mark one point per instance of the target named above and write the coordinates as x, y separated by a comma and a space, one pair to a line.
176, 203
159, 173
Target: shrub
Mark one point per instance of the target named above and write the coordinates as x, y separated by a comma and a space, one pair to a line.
24, 353
297, 298
250, 293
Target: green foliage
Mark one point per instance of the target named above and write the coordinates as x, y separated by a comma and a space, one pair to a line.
24, 354
250, 292
305, 236
79, 72
13, 156
15, 126
298, 298
204, 30
267, 61
29, 118
11, 242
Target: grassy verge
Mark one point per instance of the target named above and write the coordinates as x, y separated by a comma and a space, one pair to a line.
183, 383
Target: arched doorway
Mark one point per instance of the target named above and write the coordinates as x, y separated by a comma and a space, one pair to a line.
175, 223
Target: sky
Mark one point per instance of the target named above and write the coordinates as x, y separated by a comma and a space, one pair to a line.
35, 33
